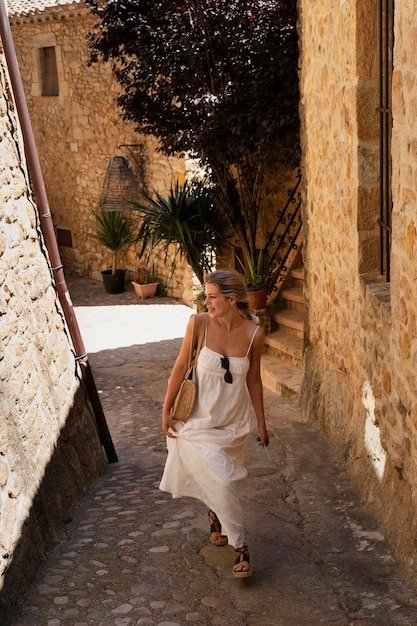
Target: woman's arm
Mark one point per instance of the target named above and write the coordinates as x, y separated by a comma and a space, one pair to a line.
255, 386
177, 376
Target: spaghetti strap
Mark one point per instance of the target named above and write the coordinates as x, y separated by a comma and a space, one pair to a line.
251, 341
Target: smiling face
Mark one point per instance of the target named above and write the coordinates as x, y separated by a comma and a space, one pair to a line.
217, 304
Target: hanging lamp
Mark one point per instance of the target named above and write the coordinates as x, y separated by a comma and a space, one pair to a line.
119, 187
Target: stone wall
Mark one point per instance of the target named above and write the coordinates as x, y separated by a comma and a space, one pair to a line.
361, 339
78, 132
49, 448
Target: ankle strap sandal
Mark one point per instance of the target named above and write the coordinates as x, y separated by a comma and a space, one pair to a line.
241, 568
216, 537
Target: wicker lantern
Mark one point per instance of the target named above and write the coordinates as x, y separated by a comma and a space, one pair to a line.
119, 187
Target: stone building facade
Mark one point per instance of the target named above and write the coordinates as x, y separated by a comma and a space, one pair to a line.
361, 332
78, 129
50, 451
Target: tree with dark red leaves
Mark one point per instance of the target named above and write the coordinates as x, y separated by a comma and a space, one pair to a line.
215, 78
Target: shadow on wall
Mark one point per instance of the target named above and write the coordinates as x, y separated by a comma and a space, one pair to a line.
78, 460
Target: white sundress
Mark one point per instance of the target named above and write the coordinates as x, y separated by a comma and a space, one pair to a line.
206, 457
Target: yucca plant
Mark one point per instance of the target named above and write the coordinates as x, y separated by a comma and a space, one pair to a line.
186, 216
253, 270
114, 230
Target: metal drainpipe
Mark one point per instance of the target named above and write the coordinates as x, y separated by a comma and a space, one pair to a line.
49, 232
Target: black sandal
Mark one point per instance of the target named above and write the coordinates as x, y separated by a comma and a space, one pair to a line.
216, 538
242, 557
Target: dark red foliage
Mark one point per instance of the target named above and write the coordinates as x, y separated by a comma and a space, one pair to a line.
217, 78
203, 75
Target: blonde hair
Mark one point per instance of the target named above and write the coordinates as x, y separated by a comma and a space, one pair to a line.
231, 284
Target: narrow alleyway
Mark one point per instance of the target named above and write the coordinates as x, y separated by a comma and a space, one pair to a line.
130, 555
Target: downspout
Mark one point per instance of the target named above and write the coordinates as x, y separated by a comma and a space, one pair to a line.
49, 232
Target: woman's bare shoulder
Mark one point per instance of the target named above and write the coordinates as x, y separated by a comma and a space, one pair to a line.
257, 332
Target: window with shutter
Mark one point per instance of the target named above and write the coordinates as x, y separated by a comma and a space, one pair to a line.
49, 73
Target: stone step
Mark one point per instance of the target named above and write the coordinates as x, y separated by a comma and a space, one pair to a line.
282, 362
296, 294
297, 275
294, 297
290, 320
281, 378
288, 348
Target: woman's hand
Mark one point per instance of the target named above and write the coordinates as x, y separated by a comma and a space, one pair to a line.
263, 437
168, 424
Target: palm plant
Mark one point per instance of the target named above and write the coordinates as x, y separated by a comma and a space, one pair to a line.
114, 231
186, 217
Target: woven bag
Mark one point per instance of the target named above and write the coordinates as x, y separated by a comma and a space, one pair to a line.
184, 401
185, 398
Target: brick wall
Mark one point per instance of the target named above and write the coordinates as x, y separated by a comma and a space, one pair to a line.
49, 448
361, 339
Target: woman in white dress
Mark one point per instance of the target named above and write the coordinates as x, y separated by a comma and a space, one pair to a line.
205, 455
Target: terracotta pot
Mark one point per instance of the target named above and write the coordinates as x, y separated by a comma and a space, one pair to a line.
257, 299
147, 290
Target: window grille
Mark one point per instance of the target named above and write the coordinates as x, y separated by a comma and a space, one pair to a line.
49, 71
386, 41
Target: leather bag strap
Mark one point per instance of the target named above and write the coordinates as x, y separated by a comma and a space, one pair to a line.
199, 330
193, 342
201, 321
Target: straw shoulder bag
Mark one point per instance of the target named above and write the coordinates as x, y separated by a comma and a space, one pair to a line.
185, 399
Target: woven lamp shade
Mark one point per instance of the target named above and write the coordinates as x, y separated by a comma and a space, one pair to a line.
119, 187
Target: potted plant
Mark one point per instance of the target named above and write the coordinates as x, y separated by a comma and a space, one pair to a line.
114, 230
255, 277
263, 269
146, 284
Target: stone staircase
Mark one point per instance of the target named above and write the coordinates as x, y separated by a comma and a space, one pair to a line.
282, 361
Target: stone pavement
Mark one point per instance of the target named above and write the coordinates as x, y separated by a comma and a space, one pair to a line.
131, 555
